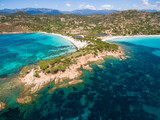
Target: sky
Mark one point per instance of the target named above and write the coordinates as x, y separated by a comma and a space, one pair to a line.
67, 5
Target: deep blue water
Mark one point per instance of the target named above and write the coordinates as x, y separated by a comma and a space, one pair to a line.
123, 90
18, 50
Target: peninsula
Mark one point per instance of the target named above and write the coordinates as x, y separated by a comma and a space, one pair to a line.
65, 70
85, 33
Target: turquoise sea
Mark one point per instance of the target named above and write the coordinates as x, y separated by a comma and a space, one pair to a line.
152, 42
18, 50
123, 90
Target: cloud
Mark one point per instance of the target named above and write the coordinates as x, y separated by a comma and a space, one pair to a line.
68, 5
157, 2
88, 6
2, 5
145, 2
147, 5
82, 6
36, 5
108, 7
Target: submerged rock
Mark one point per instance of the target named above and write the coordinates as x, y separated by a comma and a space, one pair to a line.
75, 82
87, 67
24, 100
100, 66
2, 106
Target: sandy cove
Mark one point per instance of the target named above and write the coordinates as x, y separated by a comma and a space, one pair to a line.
78, 44
33, 84
107, 38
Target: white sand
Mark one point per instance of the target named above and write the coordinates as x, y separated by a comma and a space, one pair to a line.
118, 37
76, 43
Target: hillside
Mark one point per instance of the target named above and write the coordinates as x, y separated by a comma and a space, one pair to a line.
5, 13
130, 22
20, 13
48, 11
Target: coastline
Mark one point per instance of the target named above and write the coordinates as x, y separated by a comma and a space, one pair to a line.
32, 85
78, 44
3, 33
61, 79
108, 38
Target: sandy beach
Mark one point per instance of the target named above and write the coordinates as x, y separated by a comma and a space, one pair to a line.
78, 44
118, 37
15, 32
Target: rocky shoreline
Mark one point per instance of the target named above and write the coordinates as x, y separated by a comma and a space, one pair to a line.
33, 84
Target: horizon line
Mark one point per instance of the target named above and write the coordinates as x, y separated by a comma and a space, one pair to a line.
77, 9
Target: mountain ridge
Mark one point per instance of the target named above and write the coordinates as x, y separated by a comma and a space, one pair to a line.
58, 12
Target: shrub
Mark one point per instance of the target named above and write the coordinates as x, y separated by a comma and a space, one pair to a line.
54, 69
24, 70
62, 68
67, 61
35, 67
57, 60
95, 53
36, 74
62, 57
74, 61
52, 62
43, 65
41, 62
47, 70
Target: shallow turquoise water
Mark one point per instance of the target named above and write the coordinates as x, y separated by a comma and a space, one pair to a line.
18, 50
146, 41
153, 42
123, 90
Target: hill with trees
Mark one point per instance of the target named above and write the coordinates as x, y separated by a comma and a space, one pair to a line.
130, 22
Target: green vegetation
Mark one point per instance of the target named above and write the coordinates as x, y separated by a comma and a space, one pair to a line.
36, 74
47, 70
66, 61
54, 69
62, 63
62, 68
130, 22
43, 65
52, 62
35, 67
24, 71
